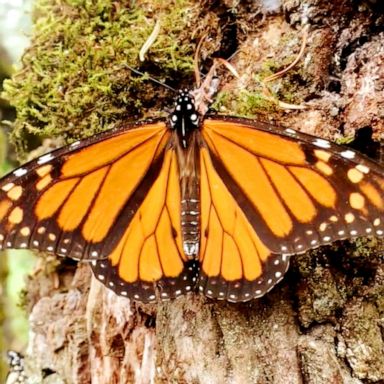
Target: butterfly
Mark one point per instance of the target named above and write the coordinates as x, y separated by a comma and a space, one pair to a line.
211, 203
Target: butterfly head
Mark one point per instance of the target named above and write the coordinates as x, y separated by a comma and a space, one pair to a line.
184, 119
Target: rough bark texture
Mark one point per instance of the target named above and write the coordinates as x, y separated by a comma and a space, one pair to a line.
324, 322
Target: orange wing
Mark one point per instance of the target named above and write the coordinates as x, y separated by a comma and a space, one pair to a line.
151, 249
267, 194
110, 197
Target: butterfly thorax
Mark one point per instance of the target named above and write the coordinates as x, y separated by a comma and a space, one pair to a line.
185, 121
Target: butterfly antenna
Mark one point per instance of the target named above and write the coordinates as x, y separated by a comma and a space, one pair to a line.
196, 61
150, 78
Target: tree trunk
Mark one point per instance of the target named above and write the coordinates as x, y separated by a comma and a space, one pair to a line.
324, 322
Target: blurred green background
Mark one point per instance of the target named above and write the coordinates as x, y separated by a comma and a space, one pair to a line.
15, 16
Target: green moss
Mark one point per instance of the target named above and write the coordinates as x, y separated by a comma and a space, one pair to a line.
244, 103
75, 78
253, 100
250, 103
344, 140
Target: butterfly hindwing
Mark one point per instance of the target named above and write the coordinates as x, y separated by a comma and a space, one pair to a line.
149, 261
235, 264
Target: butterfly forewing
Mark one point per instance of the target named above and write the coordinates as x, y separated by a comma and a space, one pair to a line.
70, 201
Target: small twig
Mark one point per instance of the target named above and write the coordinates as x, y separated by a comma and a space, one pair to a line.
266, 91
267, 95
294, 62
149, 42
229, 66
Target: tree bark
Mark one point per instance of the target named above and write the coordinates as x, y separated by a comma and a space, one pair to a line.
324, 322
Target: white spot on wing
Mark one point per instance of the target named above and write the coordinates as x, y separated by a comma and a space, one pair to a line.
8, 187
322, 143
348, 154
290, 131
362, 168
20, 172
75, 144
44, 159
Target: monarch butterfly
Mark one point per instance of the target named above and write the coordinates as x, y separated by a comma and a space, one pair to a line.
210, 203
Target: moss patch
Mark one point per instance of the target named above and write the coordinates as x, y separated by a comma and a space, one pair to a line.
75, 79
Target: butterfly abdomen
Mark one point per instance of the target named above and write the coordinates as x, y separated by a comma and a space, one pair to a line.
190, 224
